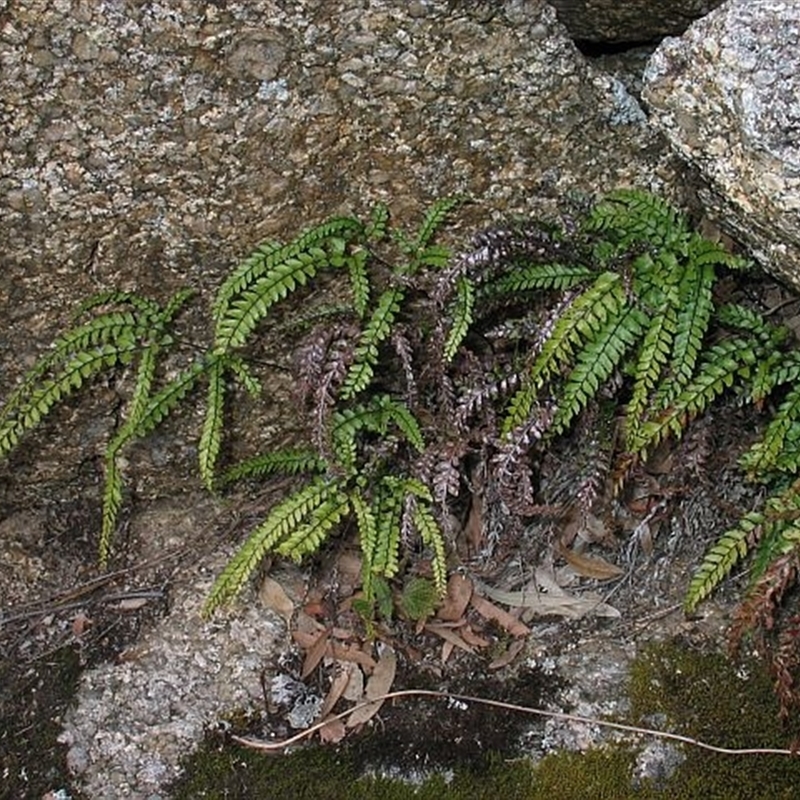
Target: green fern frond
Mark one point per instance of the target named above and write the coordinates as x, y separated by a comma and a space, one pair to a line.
281, 462
701, 251
580, 322
435, 256
596, 362
347, 423
430, 532
432, 537
772, 533
112, 503
359, 281
694, 313
269, 275
281, 522
722, 364
367, 537
366, 352
765, 454
387, 510
29, 408
158, 407
243, 374
433, 221
145, 307
461, 316
651, 359
240, 317
378, 225
308, 537
406, 422
731, 548
538, 277
254, 266
631, 216
786, 370
114, 329
211, 434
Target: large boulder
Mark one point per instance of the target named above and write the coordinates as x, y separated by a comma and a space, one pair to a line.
727, 96
609, 21
151, 145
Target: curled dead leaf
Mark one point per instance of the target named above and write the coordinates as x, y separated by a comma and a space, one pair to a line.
274, 597
590, 566
456, 600
499, 615
379, 684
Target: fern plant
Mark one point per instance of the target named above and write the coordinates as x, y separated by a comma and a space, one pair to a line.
360, 452
440, 372
126, 331
621, 308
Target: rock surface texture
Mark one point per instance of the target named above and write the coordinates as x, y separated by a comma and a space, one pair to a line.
150, 146
609, 21
727, 95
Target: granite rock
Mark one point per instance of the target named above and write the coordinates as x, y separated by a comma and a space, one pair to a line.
149, 146
727, 96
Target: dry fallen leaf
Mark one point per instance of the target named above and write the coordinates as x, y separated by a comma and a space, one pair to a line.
545, 597
355, 686
315, 653
352, 652
132, 603
459, 591
341, 679
80, 624
590, 566
473, 527
447, 651
499, 615
379, 684
332, 731
449, 635
274, 597
470, 637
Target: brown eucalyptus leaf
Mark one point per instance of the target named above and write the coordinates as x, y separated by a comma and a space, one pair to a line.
499, 615
315, 653
341, 679
590, 566
332, 731
379, 684
459, 592
449, 635
354, 690
352, 652
274, 597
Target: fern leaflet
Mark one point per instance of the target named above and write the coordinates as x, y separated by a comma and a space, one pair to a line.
211, 435
366, 353
281, 462
284, 518
461, 314
595, 364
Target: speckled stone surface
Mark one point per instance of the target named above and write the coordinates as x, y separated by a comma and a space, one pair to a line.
150, 146
727, 95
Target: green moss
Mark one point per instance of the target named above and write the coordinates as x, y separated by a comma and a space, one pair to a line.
672, 687
317, 773
708, 697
